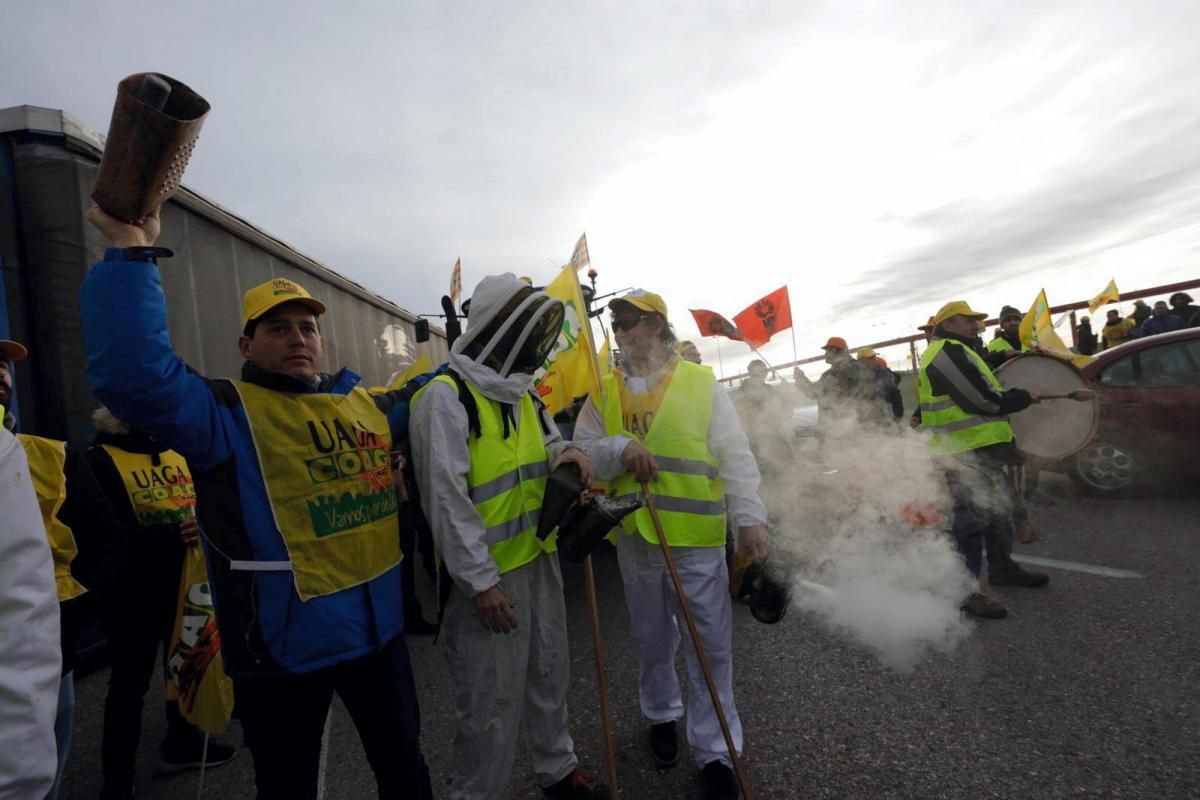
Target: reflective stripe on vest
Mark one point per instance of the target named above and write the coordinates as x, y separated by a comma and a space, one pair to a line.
47, 464
689, 494
507, 478
952, 429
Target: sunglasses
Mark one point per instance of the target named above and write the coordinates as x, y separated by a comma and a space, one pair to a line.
628, 323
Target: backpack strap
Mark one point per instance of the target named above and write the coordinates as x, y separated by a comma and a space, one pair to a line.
468, 401
540, 408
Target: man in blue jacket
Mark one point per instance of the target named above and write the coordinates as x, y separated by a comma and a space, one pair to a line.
298, 509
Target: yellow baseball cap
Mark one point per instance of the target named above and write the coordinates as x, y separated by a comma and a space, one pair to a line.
956, 308
640, 298
12, 351
276, 292
865, 354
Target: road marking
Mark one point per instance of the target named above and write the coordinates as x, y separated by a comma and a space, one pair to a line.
324, 757
1091, 569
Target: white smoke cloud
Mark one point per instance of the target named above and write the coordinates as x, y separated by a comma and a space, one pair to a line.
843, 530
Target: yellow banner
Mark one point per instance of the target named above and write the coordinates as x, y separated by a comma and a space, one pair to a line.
1037, 332
605, 358
571, 370
1109, 295
197, 679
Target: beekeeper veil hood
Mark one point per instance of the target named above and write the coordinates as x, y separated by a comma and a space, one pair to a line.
510, 332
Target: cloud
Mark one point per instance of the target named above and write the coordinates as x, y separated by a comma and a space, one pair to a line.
1136, 182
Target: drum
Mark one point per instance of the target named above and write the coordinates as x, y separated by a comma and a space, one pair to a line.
1052, 429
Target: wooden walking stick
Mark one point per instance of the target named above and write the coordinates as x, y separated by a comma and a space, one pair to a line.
695, 634
610, 753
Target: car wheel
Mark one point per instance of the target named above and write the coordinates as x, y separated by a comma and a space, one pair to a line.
1104, 468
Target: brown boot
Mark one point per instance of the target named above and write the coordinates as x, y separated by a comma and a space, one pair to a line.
984, 607
1024, 531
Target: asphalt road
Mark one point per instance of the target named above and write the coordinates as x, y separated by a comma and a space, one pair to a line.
1088, 689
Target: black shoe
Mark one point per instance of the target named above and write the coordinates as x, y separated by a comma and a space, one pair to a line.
579, 785
664, 744
719, 782
1016, 576
984, 607
187, 753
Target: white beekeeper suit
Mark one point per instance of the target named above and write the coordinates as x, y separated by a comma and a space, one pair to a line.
500, 680
30, 651
654, 613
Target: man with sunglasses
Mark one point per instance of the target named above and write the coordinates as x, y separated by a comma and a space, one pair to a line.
482, 448
665, 422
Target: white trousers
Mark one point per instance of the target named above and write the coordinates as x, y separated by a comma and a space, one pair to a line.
501, 680
658, 626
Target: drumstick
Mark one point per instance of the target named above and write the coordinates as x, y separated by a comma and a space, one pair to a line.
1082, 395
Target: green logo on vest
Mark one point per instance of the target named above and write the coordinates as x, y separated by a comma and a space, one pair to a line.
331, 515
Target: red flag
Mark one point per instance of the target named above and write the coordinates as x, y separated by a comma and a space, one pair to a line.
765, 318
713, 324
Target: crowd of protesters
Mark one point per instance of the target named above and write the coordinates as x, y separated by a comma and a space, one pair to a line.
277, 476
294, 482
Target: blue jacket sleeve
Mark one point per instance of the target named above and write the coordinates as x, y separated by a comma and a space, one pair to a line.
134, 370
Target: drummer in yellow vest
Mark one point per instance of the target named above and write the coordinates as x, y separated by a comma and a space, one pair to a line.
86, 542
482, 448
965, 411
665, 421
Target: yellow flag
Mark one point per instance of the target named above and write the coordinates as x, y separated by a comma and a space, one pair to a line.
571, 369
419, 367
1109, 295
1037, 330
605, 359
198, 682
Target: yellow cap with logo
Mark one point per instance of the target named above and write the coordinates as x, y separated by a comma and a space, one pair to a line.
956, 308
641, 299
276, 292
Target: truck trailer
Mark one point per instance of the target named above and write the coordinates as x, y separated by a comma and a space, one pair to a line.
48, 164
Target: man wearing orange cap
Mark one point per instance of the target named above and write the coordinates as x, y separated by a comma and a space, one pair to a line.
847, 394
965, 410
297, 509
889, 382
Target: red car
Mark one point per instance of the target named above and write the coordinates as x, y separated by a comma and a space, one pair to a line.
1149, 413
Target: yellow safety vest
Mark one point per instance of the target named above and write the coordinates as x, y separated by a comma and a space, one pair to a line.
326, 465
47, 467
689, 495
159, 495
507, 479
953, 429
1001, 345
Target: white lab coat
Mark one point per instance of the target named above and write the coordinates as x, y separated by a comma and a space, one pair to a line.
30, 651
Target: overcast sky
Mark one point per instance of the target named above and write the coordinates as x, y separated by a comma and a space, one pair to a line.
878, 158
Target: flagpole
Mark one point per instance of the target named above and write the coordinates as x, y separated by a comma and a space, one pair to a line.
795, 354
720, 361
